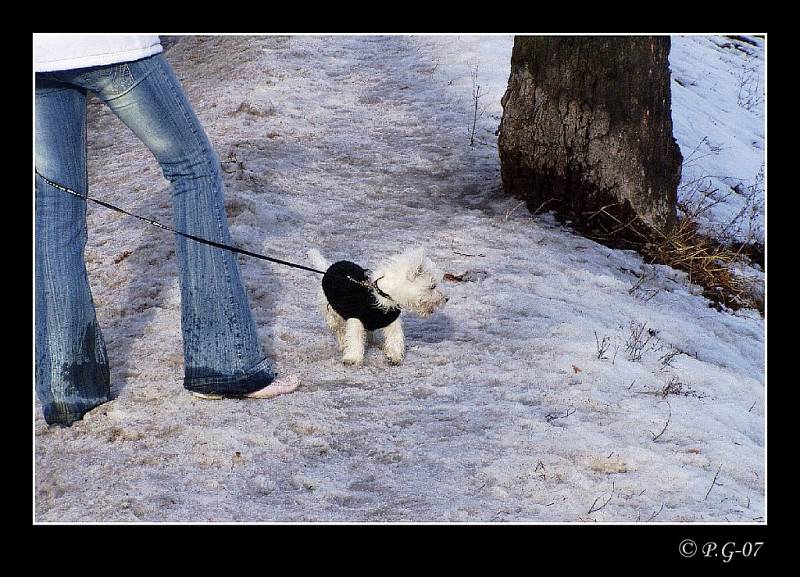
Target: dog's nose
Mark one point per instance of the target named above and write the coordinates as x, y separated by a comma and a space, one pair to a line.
446, 299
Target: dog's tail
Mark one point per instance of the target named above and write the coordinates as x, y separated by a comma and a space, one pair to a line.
317, 259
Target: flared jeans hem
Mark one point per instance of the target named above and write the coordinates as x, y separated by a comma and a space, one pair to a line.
253, 380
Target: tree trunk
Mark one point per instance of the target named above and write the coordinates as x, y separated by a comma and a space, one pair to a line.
587, 125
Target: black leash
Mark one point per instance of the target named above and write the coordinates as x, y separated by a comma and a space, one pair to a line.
372, 286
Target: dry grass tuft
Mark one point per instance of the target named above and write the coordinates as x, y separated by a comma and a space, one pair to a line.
708, 262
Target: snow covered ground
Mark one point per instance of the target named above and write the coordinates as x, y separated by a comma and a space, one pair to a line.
718, 113
564, 381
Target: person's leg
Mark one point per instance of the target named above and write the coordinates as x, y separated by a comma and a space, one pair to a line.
222, 352
72, 374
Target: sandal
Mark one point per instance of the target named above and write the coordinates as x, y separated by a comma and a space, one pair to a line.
280, 386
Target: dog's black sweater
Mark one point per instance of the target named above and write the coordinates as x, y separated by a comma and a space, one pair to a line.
353, 300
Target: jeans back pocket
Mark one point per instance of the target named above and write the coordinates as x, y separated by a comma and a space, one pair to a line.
122, 79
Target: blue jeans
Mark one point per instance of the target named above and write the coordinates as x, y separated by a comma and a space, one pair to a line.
222, 353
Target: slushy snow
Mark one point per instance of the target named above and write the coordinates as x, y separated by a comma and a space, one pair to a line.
563, 382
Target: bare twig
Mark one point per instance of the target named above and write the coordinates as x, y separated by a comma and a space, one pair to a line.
483, 143
691, 158
656, 437
666, 359
751, 93
552, 416
511, 211
637, 288
541, 206
476, 96
654, 515
637, 343
713, 483
606, 502
602, 346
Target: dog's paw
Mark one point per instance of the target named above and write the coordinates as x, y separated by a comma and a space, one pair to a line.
394, 356
353, 360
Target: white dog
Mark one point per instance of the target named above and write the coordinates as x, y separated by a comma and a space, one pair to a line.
356, 302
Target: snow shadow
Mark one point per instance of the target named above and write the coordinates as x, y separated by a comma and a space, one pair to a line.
438, 328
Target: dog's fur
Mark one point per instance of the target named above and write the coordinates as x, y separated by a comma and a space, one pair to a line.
410, 279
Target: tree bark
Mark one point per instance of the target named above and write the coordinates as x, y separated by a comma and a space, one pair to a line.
587, 126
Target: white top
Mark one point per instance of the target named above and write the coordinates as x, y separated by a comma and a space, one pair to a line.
67, 51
